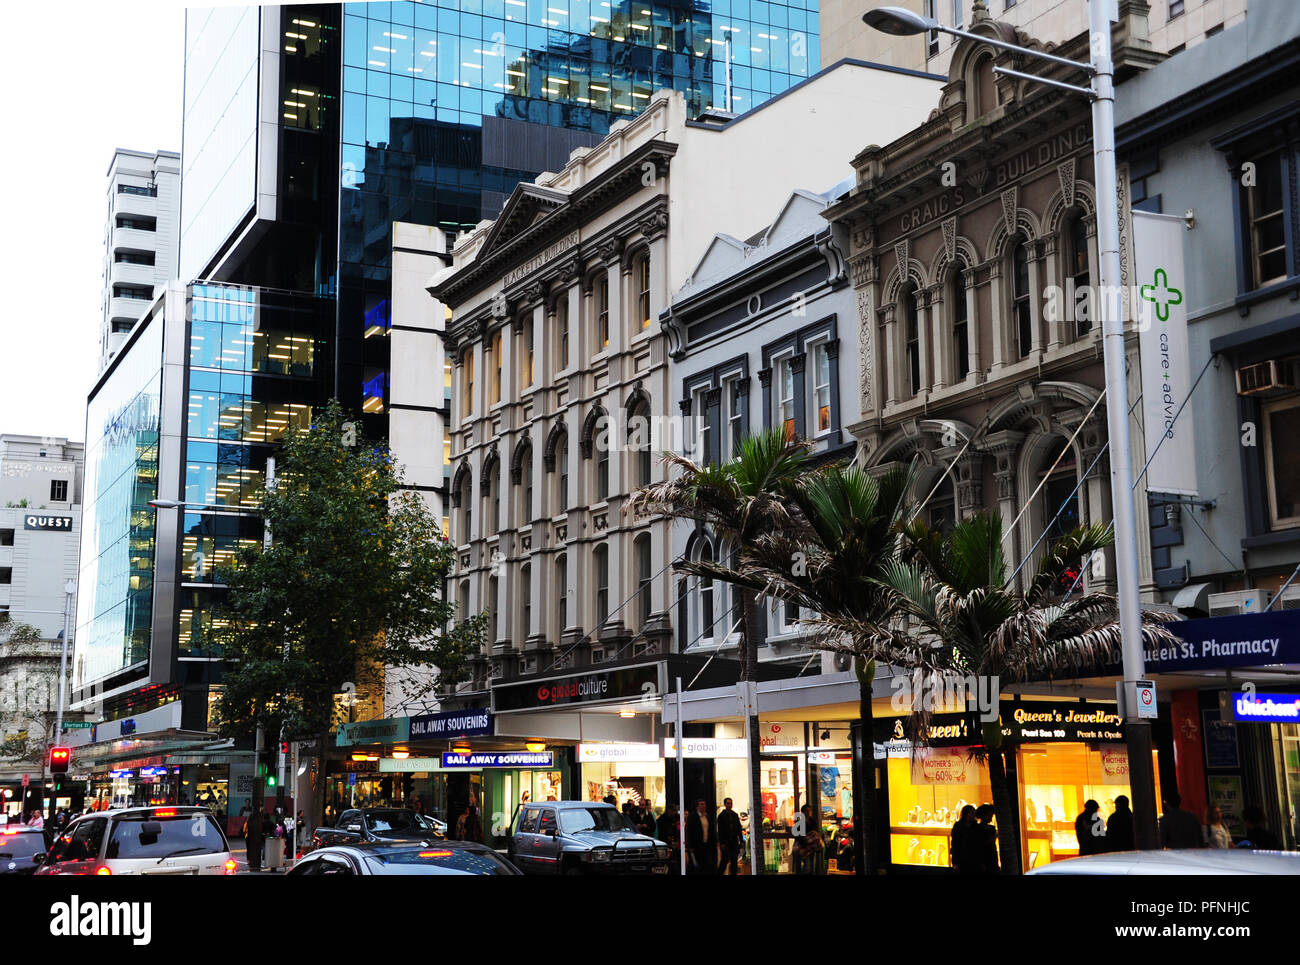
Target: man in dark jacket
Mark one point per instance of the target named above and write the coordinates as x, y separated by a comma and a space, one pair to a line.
701, 840
1119, 828
963, 847
670, 832
1179, 828
253, 841
730, 838
986, 840
1257, 832
1090, 829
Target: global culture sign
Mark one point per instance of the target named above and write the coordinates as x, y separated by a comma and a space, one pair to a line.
1161, 311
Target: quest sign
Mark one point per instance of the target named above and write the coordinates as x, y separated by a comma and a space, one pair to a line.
54, 524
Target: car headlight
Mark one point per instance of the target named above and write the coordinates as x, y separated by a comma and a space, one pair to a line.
663, 853
599, 854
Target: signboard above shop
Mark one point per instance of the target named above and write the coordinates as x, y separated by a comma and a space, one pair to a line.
499, 759
471, 722
714, 747
640, 684
1266, 708
384, 731
1044, 720
617, 753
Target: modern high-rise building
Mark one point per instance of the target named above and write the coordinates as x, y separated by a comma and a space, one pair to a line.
140, 239
309, 130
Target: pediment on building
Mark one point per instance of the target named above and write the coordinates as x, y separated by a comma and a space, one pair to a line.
527, 205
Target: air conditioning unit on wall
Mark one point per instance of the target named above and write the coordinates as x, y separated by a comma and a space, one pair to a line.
836, 662
1290, 598
1238, 602
1268, 378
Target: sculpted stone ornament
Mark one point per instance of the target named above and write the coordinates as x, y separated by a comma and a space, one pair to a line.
654, 225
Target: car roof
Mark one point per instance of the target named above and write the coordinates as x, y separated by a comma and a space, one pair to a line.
570, 805
145, 810
1190, 861
389, 847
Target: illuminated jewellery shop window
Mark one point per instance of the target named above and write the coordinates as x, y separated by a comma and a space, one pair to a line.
1055, 781
926, 794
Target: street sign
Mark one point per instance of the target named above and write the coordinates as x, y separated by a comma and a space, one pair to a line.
27, 780
77, 725
1146, 698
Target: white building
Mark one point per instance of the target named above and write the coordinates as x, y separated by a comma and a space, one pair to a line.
40, 527
141, 234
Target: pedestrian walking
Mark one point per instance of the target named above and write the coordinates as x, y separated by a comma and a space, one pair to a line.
1119, 827
670, 832
1216, 835
731, 838
1179, 828
1090, 829
986, 841
701, 840
253, 840
1258, 835
963, 846
808, 847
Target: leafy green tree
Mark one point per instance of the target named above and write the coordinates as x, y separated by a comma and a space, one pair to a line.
737, 501
951, 593
352, 579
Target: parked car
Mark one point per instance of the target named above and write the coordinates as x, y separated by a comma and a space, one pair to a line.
1192, 861
582, 837
21, 850
405, 858
380, 824
141, 841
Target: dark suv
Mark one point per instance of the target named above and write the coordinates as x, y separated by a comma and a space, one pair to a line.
582, 837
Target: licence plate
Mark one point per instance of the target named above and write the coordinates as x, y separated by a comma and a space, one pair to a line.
660, 869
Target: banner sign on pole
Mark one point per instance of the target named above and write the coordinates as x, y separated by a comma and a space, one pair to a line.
1161, 310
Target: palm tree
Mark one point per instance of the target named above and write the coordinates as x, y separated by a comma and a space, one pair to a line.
831, 561
951, 594
738, 501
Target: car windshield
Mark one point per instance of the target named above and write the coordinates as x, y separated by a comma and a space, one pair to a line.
438, 860
21, 845
575, 820
181, 834
381, 821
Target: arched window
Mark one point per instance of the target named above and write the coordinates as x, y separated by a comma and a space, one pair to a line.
641, 276
602, 312
561, 503
467, 399
986, 90
562, 332
525, 480
1076, 251
600, 557
463, 601
492, 524
493, 624
561, 595
638, 443
912, 335
526, 599
1021, 317
960, 327
1059, 499
466, 509
705, 613
600, 438
642, 559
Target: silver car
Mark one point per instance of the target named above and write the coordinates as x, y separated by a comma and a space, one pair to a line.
403, 858
582, 837
1192, 861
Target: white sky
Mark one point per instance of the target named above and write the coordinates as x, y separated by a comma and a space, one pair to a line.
79, 79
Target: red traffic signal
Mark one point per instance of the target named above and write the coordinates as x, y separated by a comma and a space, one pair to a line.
60, 758
284, 747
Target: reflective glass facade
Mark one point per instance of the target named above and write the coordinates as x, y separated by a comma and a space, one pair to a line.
219, 156
253, 359
447, 105
115, 605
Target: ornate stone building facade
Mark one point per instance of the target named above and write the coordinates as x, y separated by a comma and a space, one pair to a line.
973, 254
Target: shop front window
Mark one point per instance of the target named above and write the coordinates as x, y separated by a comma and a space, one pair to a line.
928, 788
1056, 780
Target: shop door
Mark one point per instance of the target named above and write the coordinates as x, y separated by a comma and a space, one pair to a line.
780, 802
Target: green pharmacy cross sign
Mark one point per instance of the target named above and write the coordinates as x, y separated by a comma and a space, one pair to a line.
1161, 295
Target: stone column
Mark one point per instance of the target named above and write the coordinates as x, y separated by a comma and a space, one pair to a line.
1036, 275
937, 369
610, 255
971, 294
1000, 317
894, 372
1062, 301
1004, 447
655, 228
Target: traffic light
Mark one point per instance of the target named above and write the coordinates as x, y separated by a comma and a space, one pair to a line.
284, 747
60, 758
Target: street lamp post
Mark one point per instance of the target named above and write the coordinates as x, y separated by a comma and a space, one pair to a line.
899, 21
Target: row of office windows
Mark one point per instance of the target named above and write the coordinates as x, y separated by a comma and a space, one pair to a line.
634, 442
595, 307
630, 604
